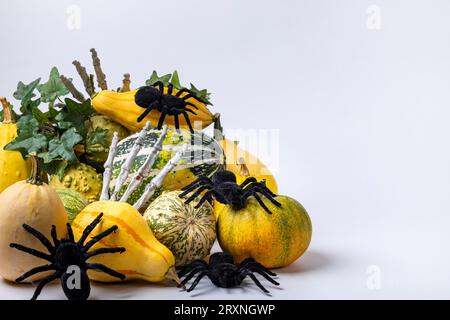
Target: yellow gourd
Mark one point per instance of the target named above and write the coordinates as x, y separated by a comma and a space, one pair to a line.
13, 167
145, 257
34, 203
274, 240
120, 107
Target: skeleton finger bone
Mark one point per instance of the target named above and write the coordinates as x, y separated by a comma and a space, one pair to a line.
158, 179
145, 169
108, 167
123, 175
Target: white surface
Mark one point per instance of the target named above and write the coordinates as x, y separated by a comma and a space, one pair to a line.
363, 119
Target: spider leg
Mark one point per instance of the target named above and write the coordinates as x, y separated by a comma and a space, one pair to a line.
196, 194
43, 282
89, 229
105, 269
248, 181
54, 236
189, 95
193, 96
104, 250
203, 180
206, 196
245, 273
32, 252
38, 235
251, 263
162, 117
197, 280
160, 86
191, 104
186, 116
170, 89
177, 121
98, 237
266, 193
261, 203
254, 189
70, 232
36, 270
262, 187
191, 111
146, 111
191, 274
191, 266
181, 91
264, 274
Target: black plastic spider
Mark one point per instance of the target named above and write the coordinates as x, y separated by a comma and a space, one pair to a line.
150, 98
223, 273
65, 253
222, 185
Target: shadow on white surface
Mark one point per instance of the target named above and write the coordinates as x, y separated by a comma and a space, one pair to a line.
310, 261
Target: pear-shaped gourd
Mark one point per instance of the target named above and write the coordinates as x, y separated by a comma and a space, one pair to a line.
29, 202
145, 257
13, 167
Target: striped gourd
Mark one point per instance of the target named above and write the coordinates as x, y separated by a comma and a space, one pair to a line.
188, 232
73, 202
206, 157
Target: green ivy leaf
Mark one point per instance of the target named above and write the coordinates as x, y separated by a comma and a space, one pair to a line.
175, 80
61, 169
83, 108
53, 88
97, 136
62, 148
165, 79
29, 139
202, 94
24, 92
53, 168
74, 115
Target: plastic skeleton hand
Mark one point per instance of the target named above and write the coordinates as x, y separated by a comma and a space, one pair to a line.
142, 173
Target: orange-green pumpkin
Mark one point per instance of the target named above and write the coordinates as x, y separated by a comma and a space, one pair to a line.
274, 240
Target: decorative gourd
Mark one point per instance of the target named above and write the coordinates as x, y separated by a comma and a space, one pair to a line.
81, 178
274, 240
13, 167
96, 150
145, 257
207, 158
73, 202
120, 107
188, 232
29, 202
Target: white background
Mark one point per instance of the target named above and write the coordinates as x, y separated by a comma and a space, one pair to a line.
363, 119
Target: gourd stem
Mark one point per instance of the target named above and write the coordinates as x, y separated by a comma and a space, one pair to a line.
126, 83
8, 116
243, 169
218, 129
35, 175
172, 275
101, 78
